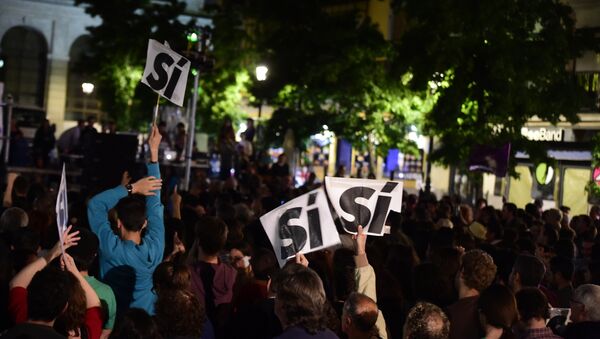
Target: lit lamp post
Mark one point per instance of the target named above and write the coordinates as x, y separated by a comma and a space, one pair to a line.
87, 89
261, 75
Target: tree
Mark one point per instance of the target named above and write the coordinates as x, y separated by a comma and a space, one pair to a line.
494, 64
119, 52
329, 66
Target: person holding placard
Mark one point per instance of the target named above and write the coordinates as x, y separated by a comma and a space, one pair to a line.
128, 259
361, 317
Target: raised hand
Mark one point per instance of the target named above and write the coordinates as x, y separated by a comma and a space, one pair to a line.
301, 259
67, 263
69, 239
154, 142
146, 186
176, 197
178, 246
361, 241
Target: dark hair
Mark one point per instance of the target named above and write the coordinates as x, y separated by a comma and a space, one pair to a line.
135, 324
478, 269
363, 312
531, 270
86, 250
426, 321
25, 238
170, 276
132, 213
264, 264
211, 234
563, 266
565, 248
301, 294
13, 218
511, 207
20, 185
73, 319
172, 285
532, 304
526, 245
497, 303
48, 294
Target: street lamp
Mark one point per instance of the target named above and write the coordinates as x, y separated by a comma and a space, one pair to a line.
261, 72
87, 89
261, 75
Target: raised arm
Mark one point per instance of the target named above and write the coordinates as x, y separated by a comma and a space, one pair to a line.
23, 278
10, 180
365, 277
98, 208
155, 235
91, 298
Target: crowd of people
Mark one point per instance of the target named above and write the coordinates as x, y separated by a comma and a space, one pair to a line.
144, 260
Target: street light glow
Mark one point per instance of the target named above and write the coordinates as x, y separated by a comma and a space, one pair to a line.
261, 73
87, 87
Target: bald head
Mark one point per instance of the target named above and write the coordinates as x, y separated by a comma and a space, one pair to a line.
360, 315
426, 321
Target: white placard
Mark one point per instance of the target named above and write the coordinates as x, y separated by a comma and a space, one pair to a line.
301, 225
62, 208
364, 202
166, 72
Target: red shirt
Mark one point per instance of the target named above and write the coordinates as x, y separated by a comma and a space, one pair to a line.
17, 308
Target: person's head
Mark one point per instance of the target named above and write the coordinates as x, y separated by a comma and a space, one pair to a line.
172, 285
20, 186
86, 250
135, 324
359, 315
477, 271
585, 303
565, 248
171, 276
527, 271
80, 123
300, 299
91, 120
562, 270
426, 321
264, 264
70, 321
466, 213
552, 216
48, 294
282, 159
13, 218
497, 307
211, 234
180, 127
509, 211
131, 215
532, 305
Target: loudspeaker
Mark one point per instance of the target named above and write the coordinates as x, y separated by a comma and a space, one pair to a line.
106, 160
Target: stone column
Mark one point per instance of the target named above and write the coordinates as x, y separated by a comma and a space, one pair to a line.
57, 92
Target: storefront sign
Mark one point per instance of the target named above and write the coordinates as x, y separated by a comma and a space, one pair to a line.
543, 134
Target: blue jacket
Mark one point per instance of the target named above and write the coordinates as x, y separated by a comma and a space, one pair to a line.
126, 267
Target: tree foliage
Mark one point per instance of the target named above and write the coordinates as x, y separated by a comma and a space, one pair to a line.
119, 52
329, 66
495, 65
